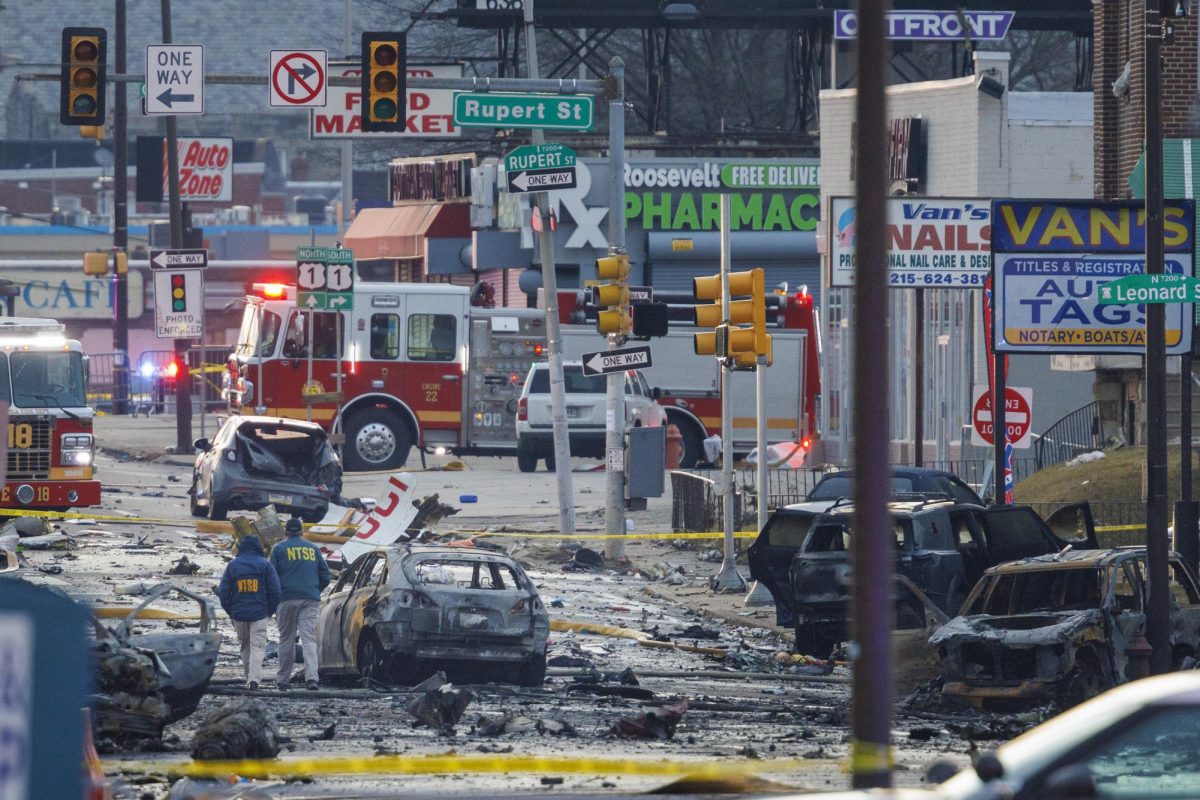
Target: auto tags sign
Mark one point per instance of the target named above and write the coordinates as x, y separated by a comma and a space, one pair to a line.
1052, 257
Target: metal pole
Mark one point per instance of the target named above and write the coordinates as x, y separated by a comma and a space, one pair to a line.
309, 380
999, 426
760, 440
918, 392
348, 144
183, 383
1158, 611
558, 397
1186, 510
614, 428
120, 223
728, 578
872, 545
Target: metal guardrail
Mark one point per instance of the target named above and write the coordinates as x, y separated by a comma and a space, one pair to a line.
152, 387
1076, 433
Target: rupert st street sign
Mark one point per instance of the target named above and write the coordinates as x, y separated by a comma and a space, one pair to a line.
540, 168
500, 110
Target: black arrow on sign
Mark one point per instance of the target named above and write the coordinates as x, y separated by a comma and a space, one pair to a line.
168, 97
303, 73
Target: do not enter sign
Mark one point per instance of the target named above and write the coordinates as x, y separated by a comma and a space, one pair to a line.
1018, 416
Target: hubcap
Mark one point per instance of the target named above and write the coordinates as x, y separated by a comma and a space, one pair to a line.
375, 442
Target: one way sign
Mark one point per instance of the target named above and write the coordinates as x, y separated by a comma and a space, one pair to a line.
179, 259
541, 180
174, 79
607, 361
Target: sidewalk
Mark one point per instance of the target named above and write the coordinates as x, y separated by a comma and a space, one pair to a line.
144, 438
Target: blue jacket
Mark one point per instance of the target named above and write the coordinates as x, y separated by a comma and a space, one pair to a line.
302, 570
249, 589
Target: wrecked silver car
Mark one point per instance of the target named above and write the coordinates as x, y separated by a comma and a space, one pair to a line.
257, 461
396, 614
1060, 627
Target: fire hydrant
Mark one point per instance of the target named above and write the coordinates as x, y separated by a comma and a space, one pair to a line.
674, 447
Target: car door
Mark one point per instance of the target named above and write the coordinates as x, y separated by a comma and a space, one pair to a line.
1074, 525
1015, 532
771, 555
1185, 610
969, 541
1126, 613
934, 564
371, 573
329, 617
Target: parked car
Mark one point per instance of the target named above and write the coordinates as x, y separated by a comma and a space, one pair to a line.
772, 553
1136, 741
396, 612
942, 549
1060, 627
252, 462
587, 404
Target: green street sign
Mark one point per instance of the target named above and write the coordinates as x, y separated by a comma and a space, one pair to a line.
327, 255
494, 110
311, 301
539, 156
1166, 288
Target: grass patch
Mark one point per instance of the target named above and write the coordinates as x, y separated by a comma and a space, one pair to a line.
1116, 478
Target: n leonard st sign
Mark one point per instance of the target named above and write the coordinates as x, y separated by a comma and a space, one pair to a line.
935, 243
1053, 260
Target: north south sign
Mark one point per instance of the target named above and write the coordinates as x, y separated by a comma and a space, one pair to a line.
498, 110
1053, 260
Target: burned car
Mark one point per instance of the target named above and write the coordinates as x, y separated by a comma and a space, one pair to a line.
771, 555
1060, 627
252, 462
397, 613
942, 549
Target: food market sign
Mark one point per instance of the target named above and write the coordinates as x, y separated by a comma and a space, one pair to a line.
932, 242
1054, 260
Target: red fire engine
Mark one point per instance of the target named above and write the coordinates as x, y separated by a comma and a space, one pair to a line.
417, 364
43, 378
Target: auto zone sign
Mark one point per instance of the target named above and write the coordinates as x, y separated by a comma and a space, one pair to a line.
1052, 256
205, 168
430, 111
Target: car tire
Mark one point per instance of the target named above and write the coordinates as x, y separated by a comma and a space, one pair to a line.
376, 439
193, 506
217, 512
533, 671
371, 660
550, 463
810, 642
1086, 679
526, 461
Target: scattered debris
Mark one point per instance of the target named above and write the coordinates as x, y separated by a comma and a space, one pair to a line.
184, 567
27, 526
585, 559
712, 556
50, 541
654, 723
191, 789
439, 704
244, 728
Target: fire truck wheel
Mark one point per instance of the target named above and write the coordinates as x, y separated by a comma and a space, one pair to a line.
550, 462
526, 461
693, 446
376, 439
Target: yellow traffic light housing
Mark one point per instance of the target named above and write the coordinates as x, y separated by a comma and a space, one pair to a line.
742, 336
613, 315
82, 80
95, 263
384, 103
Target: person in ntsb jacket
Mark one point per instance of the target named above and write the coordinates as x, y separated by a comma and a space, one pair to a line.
249, 593
303, 573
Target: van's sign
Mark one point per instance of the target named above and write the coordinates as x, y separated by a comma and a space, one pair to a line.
1052, 259
430, 111
932, 242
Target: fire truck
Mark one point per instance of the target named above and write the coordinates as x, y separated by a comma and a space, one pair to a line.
424, 365
50, 446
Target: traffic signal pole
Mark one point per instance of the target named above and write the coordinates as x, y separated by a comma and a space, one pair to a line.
614, 418
120, 223
558, 398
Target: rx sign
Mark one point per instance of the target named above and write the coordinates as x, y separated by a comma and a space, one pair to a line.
298, 78
174, 79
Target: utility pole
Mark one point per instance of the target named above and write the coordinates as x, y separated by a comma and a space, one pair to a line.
558, 397
347, 144
1158, 611
183, 382
614, 419
120, 223
872, 544
919, 378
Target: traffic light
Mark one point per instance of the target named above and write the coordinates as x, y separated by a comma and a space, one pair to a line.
82, 82
95, 263
650, 320
383, 100
731, 338
708, 316
178, 292
612, 299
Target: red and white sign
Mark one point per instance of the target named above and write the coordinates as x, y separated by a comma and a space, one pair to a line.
430, 111
387, 521
205, 169
298, 78
1018, 416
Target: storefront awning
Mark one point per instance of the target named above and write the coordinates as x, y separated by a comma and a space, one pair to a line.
400, 231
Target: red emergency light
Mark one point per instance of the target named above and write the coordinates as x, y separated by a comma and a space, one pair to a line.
272, 291
538, 349
171, 371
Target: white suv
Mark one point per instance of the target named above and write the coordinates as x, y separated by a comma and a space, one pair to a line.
586, 406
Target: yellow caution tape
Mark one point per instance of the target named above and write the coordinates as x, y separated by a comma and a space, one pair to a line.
1110, 528
496, 764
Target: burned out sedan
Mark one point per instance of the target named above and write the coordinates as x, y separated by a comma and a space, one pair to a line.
252, 462
397, 613
1062, 627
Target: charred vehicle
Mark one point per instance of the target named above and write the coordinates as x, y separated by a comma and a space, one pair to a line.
257, 461
942, 549
396, 613
771, 555
1060, 627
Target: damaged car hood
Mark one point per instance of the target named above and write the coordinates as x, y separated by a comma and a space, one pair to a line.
1020, 629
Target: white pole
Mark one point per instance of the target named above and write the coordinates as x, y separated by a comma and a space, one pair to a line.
728, 578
